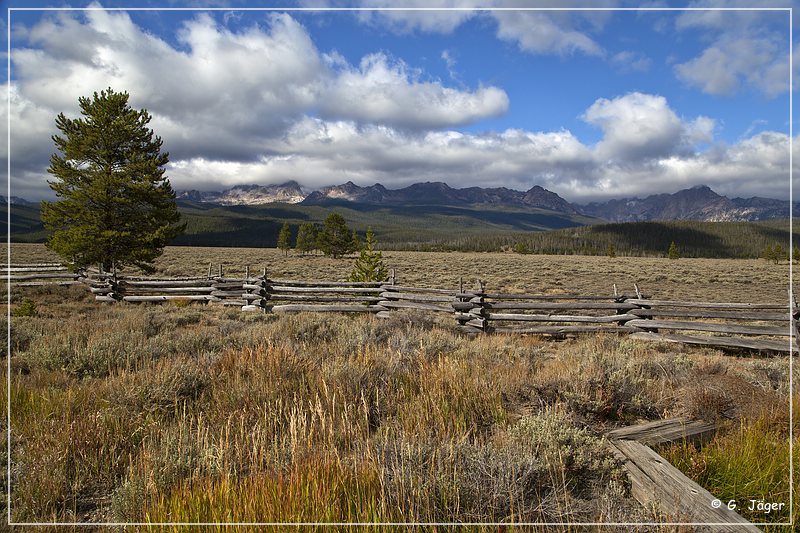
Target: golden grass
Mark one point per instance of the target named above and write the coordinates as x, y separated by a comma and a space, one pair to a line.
165, 413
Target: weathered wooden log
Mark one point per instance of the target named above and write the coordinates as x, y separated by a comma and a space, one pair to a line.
766, 345
337, 290
417, 297
561, 330
229, 302
665, 431
226, 294
168, 283
707, 305
307, 298
45, 283
104, 298
237, 281
414, 305
398, 288
101, 290
462, 306
157, 278
299, 283
165, 298
31, 265
252, 308
683, 313
560, 318
565, 305
252, 297
655, 482
477, 323
50, 275
512, 296
33, 269
93, 282
254, 287
736, 329
286, 308
169, 290
385, 314
227, 286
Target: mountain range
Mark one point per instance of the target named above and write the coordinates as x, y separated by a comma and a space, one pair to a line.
696, 203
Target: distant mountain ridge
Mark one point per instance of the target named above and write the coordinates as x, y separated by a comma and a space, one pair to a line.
696, 203
438, 193
290, 192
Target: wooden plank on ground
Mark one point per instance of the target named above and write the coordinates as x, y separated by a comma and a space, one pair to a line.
169, 290
721, 342
46, 275
656, 483
165, 298
734, 329
664, 431
45, 283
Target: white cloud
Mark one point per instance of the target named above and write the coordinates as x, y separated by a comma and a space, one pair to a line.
640, 126
748, 49
383, 91
538, 33
221, 94
631, 61
732, 61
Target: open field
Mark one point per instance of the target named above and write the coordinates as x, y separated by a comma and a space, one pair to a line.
190, 413
688, 278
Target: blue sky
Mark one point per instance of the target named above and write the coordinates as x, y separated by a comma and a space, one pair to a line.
591, 105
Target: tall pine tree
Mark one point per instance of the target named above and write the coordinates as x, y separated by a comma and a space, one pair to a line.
306, 238
115, 207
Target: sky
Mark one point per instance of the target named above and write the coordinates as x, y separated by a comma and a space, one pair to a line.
592, 105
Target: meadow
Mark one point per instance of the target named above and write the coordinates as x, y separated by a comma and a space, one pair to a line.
176, 413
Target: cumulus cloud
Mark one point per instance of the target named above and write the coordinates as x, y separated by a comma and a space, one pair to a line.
222, 93
640, 126
538, 33
631, 61
380, 90
264, 105
748, 49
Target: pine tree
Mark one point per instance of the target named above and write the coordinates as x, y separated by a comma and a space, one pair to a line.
285, 239
611, 251
369, 264
796, 254
306, 238
115, 207
673, 252
335, 239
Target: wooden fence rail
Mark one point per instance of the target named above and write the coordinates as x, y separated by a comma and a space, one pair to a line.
751, 326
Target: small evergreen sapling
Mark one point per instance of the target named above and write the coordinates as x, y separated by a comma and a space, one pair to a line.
369, 264
285, 239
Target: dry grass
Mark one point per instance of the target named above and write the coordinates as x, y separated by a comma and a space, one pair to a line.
703, 279
165, 413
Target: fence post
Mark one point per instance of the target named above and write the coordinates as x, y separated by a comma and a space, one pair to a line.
255, 290
478, 311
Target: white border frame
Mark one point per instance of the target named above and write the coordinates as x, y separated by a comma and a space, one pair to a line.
789, 10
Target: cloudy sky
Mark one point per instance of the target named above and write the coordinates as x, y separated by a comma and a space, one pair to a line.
589, 104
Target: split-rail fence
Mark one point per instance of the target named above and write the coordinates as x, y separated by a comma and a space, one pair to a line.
766, 326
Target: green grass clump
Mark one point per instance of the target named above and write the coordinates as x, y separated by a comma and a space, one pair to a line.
750, 462
26, 308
